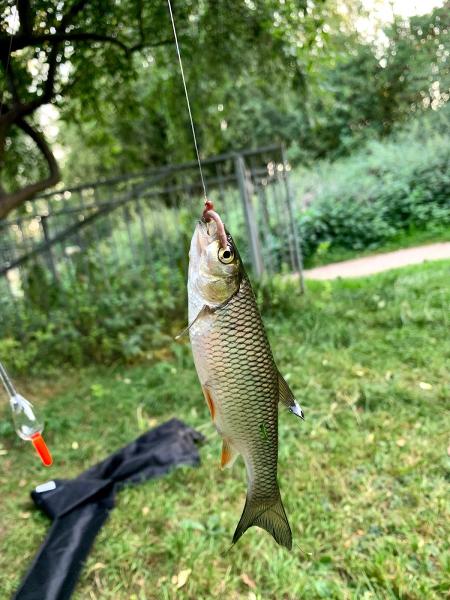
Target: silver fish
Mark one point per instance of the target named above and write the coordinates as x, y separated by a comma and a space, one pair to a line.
240, 381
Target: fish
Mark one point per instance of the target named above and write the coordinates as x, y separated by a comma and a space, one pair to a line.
238, 375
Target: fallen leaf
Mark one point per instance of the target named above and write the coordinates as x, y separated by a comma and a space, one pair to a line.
182, 577
425, 386
401, 442
248, 581
98, 565
25, 515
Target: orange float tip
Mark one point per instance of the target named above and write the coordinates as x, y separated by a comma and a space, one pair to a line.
41, 448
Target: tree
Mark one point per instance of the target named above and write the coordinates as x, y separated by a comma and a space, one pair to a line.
39, 68
95, 62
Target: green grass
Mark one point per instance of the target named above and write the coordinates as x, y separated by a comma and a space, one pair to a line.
364, 479
407, 239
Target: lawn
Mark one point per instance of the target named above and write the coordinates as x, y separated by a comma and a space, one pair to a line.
364, 479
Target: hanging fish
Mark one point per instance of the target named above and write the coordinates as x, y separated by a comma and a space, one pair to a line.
240, 381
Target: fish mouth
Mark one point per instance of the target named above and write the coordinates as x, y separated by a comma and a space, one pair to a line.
201, 240
206, 233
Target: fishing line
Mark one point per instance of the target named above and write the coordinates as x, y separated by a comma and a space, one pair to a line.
187, 99
8, 57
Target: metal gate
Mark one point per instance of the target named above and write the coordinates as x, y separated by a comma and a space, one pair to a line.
132, 219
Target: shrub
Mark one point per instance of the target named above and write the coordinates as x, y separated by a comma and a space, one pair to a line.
114, 314
387, 188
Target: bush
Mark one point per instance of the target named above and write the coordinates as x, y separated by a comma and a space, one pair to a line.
114, 314
387, 188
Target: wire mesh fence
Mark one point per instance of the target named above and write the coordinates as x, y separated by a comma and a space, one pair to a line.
144, 222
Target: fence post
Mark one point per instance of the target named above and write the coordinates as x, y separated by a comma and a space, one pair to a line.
250, 221
49, 253
294, 229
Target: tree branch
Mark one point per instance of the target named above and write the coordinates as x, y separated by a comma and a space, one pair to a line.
25, 16
14, 199
24, 41
23, 110
71, 14
9, 76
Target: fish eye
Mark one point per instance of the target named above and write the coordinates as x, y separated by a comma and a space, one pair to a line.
226, 255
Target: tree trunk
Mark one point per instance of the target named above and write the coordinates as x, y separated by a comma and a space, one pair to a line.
10, 201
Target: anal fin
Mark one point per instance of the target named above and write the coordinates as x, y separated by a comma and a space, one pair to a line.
287, 398
209, 401
229, 455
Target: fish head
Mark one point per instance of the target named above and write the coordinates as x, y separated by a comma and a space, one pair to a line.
214, 272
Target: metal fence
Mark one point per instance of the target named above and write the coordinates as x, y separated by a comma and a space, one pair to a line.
128, 219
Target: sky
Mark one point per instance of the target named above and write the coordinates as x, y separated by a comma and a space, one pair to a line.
401, 7
381, 12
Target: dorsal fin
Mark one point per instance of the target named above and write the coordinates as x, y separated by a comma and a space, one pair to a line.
287, 397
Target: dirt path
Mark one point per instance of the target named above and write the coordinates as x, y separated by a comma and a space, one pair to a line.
368, 265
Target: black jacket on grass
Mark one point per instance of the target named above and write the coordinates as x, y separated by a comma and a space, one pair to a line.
79, 507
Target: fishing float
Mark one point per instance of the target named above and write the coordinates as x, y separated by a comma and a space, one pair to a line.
28, 423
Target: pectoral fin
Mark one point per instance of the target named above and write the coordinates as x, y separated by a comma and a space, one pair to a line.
287, 397
202, 312
229, 455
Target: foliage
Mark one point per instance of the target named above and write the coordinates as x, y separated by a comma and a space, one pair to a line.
363, 478
297, 72
111, 314
370, 88
387, 188
127, 102
322, 98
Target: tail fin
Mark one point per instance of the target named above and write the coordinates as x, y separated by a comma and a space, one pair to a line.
269, 515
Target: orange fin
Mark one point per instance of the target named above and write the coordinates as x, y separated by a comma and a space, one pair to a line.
229, 455
209, 401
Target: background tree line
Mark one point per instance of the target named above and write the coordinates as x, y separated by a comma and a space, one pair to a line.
295, 71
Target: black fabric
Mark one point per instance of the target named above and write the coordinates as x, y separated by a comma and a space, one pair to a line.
79, 507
